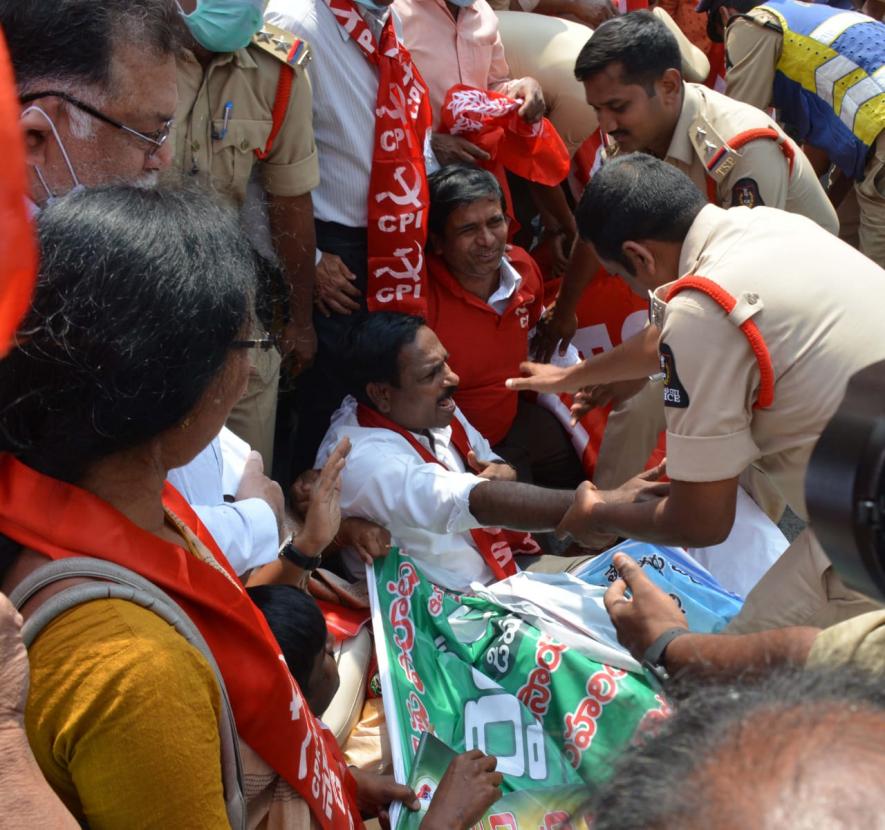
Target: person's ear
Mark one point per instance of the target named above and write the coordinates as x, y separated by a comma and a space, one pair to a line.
641, 260
670, 86
379, 395
37, 129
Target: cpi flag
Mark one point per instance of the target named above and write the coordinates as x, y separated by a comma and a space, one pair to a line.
475, 675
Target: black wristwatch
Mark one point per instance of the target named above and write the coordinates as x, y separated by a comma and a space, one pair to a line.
290, 553
651, 660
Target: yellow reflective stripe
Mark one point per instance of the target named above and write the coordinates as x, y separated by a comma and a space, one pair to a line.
868, 108
836, 25
801, 57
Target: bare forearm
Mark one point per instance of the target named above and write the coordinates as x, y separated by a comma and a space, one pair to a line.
518, 506
26, 799
582, 265
729, 655
658, 521
294, 236
633, 359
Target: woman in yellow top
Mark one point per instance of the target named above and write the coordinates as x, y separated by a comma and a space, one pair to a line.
127, 365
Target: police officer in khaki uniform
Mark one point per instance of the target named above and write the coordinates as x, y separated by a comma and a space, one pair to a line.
843, 53
545, 48
734, 153
241, 109
757, 340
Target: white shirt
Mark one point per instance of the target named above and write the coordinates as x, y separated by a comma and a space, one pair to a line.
424, 506
345, 88
507, 287
246, 531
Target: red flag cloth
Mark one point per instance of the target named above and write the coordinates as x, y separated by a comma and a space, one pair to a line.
271, 713
490, 120
398, 194
495, 546
18, 251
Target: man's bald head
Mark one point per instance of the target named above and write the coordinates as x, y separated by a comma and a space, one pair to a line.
788, 751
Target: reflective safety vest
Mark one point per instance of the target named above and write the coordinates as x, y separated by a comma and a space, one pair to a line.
830, 81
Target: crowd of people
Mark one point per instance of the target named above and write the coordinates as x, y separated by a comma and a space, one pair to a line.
494, 284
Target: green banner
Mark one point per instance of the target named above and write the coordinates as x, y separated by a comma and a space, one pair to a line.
477, 676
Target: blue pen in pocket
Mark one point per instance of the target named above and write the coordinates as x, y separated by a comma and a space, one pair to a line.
219, 135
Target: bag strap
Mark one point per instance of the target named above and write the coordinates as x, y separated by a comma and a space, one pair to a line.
110, 581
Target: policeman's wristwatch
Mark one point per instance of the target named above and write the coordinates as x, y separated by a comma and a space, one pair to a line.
290, 553
652, 660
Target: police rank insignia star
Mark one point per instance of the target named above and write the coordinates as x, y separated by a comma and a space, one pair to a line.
674, 391
745, 193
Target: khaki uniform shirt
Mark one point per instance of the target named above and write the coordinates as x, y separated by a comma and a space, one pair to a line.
757, 173
248, 79
859, 641
818, 304
752, 53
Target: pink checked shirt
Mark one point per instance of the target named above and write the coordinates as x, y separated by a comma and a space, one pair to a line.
448, 51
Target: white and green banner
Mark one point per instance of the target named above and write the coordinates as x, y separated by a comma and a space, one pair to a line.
475, 675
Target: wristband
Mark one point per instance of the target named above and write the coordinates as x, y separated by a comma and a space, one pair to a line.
290, 553
651, 660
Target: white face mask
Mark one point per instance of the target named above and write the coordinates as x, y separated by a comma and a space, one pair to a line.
77, 186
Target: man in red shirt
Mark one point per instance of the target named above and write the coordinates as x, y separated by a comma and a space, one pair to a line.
483, 305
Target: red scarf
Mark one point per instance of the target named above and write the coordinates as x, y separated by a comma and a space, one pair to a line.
495, 546
271, 713
398, 193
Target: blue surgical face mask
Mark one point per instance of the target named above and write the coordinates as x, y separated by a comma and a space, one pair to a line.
225, 25
462, 3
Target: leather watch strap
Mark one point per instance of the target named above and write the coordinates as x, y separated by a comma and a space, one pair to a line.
301, 560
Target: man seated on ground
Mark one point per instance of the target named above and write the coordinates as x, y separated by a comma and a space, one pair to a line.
483, 305
419, 469
744, 339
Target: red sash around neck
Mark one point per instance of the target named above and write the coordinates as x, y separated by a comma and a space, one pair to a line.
495, 546
398, 194
271, 713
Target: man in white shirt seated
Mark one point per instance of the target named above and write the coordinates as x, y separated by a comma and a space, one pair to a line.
419, 469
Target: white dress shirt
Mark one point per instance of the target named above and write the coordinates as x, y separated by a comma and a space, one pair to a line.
345, 88
246, 531
424, 506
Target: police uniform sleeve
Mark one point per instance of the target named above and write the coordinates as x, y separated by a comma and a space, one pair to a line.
761, 176
711, 377
752, 53
292, 166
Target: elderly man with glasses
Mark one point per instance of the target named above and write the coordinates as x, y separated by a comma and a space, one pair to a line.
97, 86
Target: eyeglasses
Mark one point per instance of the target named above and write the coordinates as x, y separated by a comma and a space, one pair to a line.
156, 140
265, 343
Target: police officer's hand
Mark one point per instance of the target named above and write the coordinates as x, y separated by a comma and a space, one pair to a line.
454, 149
592, 13
542, 377
554, 327
581, 521
298, 346
469, 787
643, 616
333, 289
533, 105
